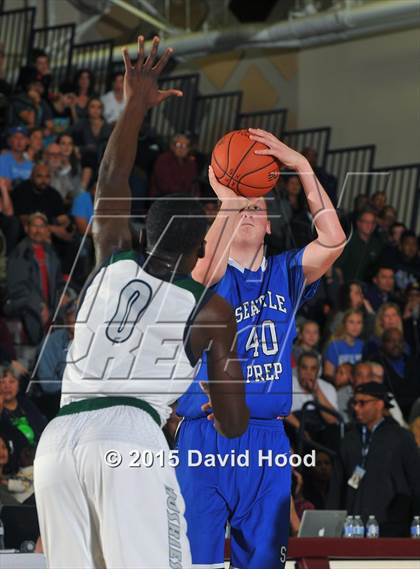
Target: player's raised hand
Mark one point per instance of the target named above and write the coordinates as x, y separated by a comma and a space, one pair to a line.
226, 195
140, 79
285, 155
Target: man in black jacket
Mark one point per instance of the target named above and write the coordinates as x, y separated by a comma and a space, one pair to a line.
34, 279
378, 468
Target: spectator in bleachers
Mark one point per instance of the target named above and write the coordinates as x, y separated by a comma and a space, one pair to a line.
401, 372
84, 89
390, 486
82, 209
362, 373
34, 279
363, 249
361, 203
91, 134
327, 180
317, 480
79, 173
29, 107
82, 212
41, 64
65, 173
175, 171
36, 145
381, 290
19, 410
113, 100
51, 361
326, 300
343, 382
352, 296
5, 90
6, 467
292, 191
345, 344
9, 224
21, 483
411, 318
378, 375
378, 202
395, 232
406, 261
61, 104
36, 195
14, 167
307, 386
307, 340
388, 316
386, 220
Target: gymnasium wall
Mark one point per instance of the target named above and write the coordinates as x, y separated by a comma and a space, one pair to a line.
369, 92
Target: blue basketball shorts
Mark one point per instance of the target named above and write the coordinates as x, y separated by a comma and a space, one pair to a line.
248, 491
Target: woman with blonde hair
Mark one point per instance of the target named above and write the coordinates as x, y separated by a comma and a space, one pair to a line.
345, 345
388, 316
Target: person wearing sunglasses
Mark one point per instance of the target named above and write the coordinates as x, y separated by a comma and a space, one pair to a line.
377, 471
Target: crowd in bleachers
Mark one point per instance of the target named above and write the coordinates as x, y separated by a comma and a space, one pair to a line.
361, 329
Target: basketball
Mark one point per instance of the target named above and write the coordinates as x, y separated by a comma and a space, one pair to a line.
237, 167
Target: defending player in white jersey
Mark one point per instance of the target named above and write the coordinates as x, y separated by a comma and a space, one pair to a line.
141, 328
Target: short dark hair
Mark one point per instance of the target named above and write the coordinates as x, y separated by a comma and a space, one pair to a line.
310, 354
381, 266
406, 234
365, 210
176, 225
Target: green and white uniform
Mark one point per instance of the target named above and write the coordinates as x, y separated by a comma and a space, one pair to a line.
129, 360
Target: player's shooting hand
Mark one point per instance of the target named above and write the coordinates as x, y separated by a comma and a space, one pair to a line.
285, 155
140, 79
206, 406
226, 195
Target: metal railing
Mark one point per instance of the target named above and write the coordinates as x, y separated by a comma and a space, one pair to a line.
401, 185
318, 138
353, 168
273, 121
57, 42
301, 438
215, 115
97, 57
176, 115
15, 34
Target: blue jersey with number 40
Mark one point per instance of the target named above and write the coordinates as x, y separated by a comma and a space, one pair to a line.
265, 302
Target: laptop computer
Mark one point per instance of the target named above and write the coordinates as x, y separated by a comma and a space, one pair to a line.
322, 523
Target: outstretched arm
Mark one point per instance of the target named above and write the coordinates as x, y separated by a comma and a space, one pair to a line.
211, 268
111, 229
321, 253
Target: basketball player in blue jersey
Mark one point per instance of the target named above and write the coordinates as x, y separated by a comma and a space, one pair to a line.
252, 493
106, 490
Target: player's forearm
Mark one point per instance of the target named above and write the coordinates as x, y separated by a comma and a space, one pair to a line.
211, 268
328, 226
118, 160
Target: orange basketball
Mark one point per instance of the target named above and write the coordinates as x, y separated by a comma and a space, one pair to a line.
237, 167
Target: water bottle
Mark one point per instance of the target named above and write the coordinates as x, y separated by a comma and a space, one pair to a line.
358, 527
1, 535
348, 527
372, 527
415, 527
27, 546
